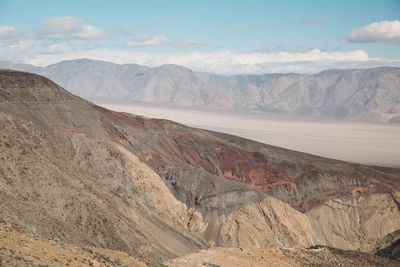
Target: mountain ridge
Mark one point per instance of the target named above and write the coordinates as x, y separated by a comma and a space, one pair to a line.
356, 94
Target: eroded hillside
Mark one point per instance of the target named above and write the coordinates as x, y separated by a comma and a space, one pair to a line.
158, 190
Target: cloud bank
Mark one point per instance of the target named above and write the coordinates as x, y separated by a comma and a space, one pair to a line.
226, 62
8, 32
66, 38
377, 32
146, 40
64, 28
189, 44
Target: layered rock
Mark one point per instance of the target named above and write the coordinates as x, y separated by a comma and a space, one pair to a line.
157, 189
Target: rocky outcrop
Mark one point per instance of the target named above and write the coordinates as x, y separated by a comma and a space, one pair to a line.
389, 246
157, 189
356, 223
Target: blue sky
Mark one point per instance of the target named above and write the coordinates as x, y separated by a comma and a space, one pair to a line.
217, 36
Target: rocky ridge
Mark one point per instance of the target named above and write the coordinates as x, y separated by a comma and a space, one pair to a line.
158, 190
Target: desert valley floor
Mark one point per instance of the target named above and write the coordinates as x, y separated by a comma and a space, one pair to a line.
376, 143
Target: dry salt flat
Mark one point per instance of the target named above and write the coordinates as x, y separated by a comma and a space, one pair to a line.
360, 142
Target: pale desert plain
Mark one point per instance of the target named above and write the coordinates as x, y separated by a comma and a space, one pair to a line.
360, 142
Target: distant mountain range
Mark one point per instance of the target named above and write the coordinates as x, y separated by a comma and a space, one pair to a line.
360, 94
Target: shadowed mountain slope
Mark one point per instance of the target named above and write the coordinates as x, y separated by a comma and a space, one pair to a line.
363, 94
157, 189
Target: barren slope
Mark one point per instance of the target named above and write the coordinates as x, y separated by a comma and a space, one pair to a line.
278, 257
22, 249
157, 189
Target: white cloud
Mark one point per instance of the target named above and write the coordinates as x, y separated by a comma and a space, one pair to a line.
72, 41
59, 48
226, 62
8, 32
148, 40
283, 48
64, 28
144, 40
20, 50
275, 48
377, 32
189, 44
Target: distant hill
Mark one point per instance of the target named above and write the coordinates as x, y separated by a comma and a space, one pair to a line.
370, 94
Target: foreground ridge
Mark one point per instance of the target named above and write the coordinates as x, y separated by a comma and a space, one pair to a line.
158, 190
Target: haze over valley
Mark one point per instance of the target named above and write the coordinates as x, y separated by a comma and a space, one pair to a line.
361, 142
338, 114
361, 94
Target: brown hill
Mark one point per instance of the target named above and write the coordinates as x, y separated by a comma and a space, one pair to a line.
157, 189
22, 249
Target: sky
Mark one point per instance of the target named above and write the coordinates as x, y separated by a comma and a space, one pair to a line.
225, 37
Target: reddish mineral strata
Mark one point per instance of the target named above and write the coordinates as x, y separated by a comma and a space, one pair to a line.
234, 163
192, 160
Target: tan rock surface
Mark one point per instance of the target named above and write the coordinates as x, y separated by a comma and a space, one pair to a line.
20, 249
356, 223
321, 256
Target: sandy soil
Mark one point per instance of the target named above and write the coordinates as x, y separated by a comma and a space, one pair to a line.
367, 143
20, 249
279, 257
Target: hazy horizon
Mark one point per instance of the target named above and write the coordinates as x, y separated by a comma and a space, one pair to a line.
270, 36
227, 74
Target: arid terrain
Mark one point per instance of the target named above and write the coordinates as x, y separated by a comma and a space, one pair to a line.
159, 190
376, 143
22, 249
284, 257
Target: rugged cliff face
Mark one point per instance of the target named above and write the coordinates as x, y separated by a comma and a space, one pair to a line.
157, 189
